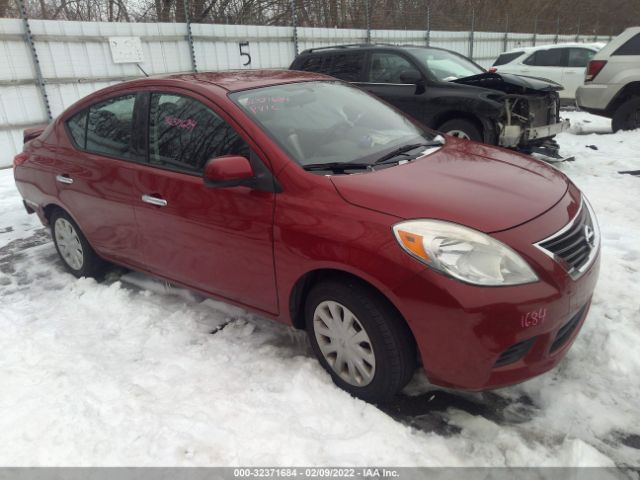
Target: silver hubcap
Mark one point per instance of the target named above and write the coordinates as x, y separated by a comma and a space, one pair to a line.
459, 134
68, 243
344, 343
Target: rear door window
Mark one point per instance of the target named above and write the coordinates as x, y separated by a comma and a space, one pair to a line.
315, 63
631, 47
77, 128
387, 67
348, 66
110, 127
184, 134
506, 58
553, 57
579, 57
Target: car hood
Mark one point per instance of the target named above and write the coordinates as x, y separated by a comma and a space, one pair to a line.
509, 83
482, 187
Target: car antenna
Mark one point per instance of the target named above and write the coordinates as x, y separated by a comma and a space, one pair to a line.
142, 70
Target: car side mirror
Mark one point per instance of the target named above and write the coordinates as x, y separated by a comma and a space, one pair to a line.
411, 76
228, 171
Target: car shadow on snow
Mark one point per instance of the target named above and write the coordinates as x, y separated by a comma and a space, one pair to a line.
431, 411
421, 405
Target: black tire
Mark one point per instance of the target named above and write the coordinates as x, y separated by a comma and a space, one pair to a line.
627, 115
462, 125
392, 344
91, 264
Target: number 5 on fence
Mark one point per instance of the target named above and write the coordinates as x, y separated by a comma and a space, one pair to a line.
245, 53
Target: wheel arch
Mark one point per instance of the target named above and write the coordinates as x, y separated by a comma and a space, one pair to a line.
48, 210
485, 126
627, 92
304, 284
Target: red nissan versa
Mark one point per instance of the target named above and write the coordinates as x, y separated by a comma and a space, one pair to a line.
314, 203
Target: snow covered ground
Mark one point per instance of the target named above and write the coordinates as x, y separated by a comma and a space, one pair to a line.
126, 372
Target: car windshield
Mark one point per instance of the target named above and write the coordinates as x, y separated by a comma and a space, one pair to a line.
322, 122
446, 66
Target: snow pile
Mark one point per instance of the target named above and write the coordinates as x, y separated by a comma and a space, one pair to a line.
127, 372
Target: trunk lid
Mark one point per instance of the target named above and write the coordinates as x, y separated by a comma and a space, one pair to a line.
33, 132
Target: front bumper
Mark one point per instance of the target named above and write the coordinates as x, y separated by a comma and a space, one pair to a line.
479, 338
514, 135
545, 131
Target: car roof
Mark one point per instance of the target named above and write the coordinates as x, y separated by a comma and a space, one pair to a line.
236, 80
366, 46
593, 45
617, 42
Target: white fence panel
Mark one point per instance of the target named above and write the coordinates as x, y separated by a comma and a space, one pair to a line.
519, 40
545, 39
15, 59
487, 46
399, 37
75, 58
312, 37
19, 105
456, 41
218, 47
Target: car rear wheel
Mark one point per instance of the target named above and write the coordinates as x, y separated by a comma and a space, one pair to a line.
461, 128
359, 339
627, 116
72, 246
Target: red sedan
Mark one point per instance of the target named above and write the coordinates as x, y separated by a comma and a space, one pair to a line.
309, 201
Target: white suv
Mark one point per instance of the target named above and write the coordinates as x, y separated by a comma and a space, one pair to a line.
563, 63
612, 82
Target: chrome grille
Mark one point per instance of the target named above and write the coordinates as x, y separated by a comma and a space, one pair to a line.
576, 245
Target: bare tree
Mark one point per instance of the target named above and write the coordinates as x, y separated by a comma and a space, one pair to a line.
573, 16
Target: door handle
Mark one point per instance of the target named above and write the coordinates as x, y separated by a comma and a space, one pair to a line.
64, 178
158, 202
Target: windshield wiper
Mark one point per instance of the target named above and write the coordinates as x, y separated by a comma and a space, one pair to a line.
407, 148
336, 166
388, 158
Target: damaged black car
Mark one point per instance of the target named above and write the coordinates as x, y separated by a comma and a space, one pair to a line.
450, 93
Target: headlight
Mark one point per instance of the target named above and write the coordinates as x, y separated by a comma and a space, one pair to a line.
463, 253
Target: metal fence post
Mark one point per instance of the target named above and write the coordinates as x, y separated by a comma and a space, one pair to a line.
367, 12
555, 40
535, 30
187, 16
505, 42
471, 32
294, 24
428, 39
34, 57
578, 32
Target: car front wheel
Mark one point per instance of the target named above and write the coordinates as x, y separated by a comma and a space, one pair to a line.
461, 128
359, 339
72, 246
